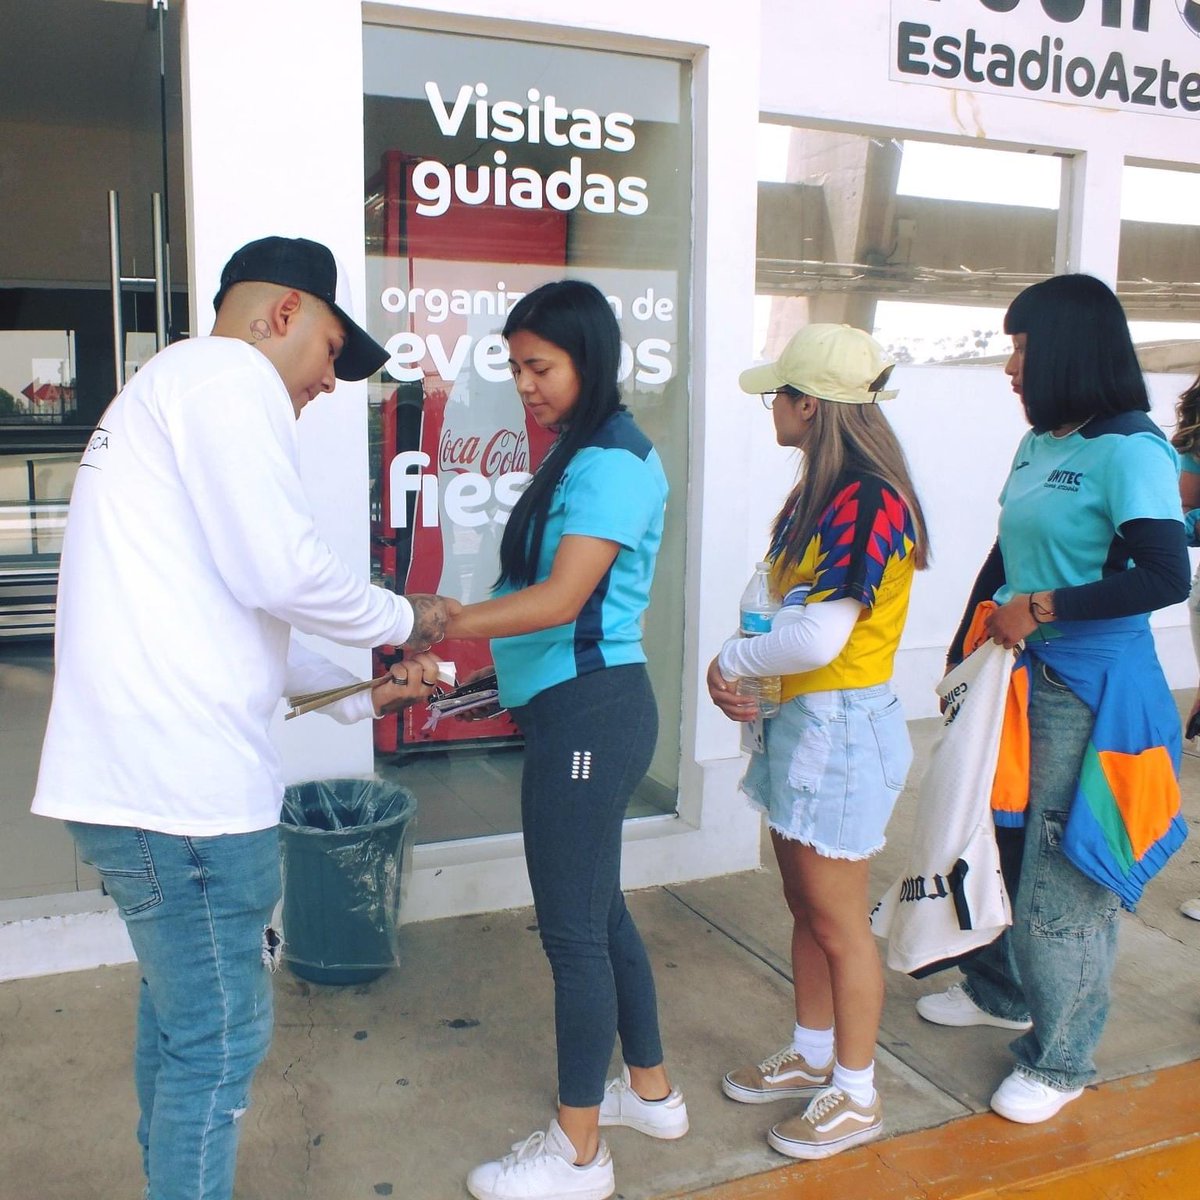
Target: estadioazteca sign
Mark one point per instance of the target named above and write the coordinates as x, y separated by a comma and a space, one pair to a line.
1133, 55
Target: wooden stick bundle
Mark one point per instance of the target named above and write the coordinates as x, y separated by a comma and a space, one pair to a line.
304, 702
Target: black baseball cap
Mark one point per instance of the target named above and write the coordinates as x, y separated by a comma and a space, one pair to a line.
309, 267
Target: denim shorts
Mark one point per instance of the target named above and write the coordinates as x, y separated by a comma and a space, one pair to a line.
833, 766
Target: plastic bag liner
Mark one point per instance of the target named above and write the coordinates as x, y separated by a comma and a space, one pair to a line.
346, 850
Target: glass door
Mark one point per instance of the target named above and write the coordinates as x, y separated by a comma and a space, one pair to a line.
92, 282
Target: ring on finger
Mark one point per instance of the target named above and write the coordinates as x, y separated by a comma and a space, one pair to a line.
400, 682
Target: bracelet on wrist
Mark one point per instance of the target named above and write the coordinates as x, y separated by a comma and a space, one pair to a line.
1040, 613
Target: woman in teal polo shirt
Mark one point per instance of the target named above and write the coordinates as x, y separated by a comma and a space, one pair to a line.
576, 564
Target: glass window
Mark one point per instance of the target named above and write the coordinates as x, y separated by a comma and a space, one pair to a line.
88, 92
1158, 271
37, 376
494, 166
922, 243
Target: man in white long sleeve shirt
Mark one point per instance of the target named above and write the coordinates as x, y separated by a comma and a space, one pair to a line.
190, 557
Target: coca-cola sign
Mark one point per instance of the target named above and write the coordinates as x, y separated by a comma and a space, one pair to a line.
505, 451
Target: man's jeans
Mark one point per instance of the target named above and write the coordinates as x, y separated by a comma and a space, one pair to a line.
197, 910
1055, 963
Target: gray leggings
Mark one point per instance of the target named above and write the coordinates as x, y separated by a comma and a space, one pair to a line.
588, 742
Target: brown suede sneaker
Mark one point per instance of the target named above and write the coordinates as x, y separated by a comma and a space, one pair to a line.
831, 1123
783, 1076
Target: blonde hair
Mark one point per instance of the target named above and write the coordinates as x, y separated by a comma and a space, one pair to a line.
1186, 438
843, 437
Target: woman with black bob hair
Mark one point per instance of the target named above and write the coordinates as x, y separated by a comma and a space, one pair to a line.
1081, 364
1090, 542
576, 563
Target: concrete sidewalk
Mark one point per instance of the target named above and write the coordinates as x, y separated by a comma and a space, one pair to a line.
398, 1087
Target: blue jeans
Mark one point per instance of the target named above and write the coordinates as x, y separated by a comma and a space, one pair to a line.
1056, 962
588, 742
197, 910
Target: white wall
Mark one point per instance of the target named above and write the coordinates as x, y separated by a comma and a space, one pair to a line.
272, 116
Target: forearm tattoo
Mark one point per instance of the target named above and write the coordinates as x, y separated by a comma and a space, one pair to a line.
429, 620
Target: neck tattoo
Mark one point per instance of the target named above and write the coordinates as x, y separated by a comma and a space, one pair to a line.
259, 330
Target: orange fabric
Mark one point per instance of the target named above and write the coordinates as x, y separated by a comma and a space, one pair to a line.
1146, 793
976, 634
1010, 788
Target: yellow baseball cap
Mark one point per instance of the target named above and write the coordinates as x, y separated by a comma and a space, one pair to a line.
832, 362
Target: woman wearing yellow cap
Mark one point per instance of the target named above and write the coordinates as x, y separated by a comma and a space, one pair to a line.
842, 554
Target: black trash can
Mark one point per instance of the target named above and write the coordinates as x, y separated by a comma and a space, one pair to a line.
346, 849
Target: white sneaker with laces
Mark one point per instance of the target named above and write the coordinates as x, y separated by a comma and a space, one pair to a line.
1028, 1101
666, 1118
542, 1167
955, 1007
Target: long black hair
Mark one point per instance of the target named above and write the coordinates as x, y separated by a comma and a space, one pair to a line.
1079, 358
575, 317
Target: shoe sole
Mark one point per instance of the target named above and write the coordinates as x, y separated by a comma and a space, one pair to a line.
1034, 1116
810, 1150
596, 1193
969, 1022
654, 1131
749, 1096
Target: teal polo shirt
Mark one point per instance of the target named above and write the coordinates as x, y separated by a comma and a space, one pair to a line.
615, 489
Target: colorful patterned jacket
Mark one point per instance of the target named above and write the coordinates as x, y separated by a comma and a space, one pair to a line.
1125, 822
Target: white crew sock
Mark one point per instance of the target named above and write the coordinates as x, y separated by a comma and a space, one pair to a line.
815, 1044
858, 1085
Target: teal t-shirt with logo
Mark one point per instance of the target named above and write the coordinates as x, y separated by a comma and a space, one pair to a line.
614, 488
1066, 497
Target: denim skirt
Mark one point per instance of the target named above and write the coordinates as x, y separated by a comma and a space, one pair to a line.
832, 768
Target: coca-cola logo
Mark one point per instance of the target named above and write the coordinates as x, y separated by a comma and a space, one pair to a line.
505, 451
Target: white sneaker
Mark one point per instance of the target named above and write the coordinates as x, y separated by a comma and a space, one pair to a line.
542, 1167
955, 1007
1027, 1100
666, 1118
1191, 908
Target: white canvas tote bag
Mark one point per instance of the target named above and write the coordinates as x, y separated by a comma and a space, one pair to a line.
951, 897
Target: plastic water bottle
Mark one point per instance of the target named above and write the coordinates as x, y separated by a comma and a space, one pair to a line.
758, 605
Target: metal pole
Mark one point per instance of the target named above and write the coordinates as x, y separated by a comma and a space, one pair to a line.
165, 273
160, 278
114, 263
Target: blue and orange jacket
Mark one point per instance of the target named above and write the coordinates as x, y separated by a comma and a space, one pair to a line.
1125, 821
